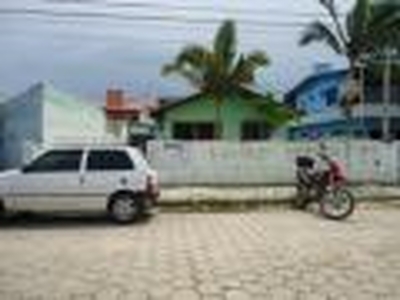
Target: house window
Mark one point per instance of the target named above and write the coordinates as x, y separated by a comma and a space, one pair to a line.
359, 133
194, 131
304, 134
255, 130
331, 96
375, 134
338, 133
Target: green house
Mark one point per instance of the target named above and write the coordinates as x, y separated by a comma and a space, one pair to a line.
243, 116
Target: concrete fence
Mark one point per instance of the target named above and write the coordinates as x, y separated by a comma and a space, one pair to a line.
260, 163
266, 163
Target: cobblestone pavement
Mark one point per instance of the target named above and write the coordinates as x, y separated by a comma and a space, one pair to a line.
276, 254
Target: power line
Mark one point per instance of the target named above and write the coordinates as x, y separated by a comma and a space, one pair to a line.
181, 7
191, 40
148, 17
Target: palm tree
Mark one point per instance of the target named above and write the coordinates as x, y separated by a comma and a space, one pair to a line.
218, 71
370, 27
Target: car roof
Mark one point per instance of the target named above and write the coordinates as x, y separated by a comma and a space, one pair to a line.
91, 147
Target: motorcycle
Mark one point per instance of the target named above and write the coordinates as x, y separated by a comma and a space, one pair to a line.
327, 188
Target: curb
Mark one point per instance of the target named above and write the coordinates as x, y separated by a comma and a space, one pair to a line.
250, 198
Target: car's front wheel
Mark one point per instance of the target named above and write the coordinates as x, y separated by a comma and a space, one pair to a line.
125, 208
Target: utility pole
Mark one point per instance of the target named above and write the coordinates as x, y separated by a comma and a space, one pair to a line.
387, 82
361, 65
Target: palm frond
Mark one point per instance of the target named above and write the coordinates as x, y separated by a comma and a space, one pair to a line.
192, 76
258, 58
194, 56
331, 9
384, 26
246, 67
327, 3
320, 32
218, 70
242, 73
191, 64
276, 114
225, 44
357, 20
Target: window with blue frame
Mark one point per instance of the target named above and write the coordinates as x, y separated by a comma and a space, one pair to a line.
338, 133
331, 96
313, 103
302, 104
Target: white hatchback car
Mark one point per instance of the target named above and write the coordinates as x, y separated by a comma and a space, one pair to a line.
112, 178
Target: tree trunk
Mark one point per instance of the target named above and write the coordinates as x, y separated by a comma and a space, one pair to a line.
218, 118
351, 92
362, 103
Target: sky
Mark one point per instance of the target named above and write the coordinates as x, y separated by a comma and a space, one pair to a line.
83, 47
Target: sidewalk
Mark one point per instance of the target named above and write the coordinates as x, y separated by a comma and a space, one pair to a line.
262, 195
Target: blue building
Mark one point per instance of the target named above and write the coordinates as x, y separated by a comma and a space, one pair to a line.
318, 98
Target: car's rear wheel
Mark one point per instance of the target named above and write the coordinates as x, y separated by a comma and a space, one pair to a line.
125, 208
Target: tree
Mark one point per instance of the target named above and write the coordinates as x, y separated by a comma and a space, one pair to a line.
369, 28
218, 71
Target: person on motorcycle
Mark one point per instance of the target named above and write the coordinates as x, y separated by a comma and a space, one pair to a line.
324, 170
321, 179
321, 161
328, 166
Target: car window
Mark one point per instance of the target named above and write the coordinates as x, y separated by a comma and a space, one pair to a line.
56, 161
109, 160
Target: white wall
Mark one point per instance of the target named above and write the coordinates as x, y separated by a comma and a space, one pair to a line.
68, 119
42, 117
231, 163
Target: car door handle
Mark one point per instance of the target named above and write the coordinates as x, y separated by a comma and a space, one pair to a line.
81, 180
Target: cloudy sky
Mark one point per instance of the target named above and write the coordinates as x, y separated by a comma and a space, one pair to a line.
84, 46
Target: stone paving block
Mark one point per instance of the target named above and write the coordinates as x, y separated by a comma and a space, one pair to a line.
185, 294
237, 295
262, 255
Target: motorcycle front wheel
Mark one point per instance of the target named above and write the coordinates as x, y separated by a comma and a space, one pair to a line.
337, 204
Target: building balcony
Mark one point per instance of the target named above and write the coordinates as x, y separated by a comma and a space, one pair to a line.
368, 110
376, 111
